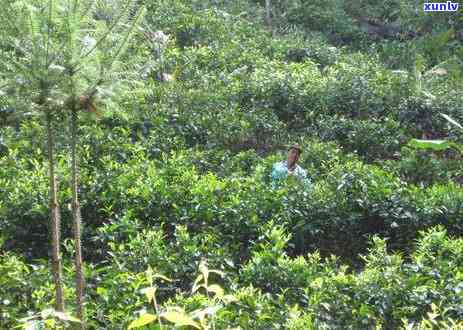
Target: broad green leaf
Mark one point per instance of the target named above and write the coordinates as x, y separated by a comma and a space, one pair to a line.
429, 144
180, 318
102, 291
195, 284
142, 321
149, 292
216, 289
65, 317
162, 277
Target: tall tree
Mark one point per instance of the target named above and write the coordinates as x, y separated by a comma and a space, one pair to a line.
27, 74
89, 69
65, 54
268, 14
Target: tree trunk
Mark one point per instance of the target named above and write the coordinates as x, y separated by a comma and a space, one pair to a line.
55, 220
268, 15
77, 220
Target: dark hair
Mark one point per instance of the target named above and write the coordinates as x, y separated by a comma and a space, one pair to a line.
297, 147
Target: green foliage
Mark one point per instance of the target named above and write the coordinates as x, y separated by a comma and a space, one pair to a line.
49, 319
176, 171
328, 16
382, 294
438, 144
214, 299
27, 293
348, 197
371, 139
362, 87
289, 90
273, 288
422, 167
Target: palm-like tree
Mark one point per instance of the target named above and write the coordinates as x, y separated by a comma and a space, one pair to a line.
60, 55
27, 72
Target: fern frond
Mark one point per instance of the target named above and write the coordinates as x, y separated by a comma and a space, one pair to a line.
34, 31
50, 17
109, 30
123, 45
13, 65
72, 28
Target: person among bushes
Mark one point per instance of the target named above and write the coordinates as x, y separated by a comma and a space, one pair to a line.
284, 169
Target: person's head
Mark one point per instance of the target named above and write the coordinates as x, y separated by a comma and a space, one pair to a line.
293, 155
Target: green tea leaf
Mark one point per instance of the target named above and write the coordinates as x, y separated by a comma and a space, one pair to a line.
65, 317
216, 289
180, 318
102, 291
149, 292
142, 321
196, 282
429, 144
162, 277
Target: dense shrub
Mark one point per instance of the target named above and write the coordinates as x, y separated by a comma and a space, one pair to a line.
23, 193
315, 48
328, 16
291, 91
420, 113
270, 289
424, 168
349, 200
383, 294
176, 170
371, 139
361, 87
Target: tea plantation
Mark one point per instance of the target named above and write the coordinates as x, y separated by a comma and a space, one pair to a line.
137, 143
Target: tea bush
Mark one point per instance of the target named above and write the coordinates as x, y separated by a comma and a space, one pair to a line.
175, 174
425, 168
272, 288
291, 91
382, 294
329, 16
370, 139
349, 200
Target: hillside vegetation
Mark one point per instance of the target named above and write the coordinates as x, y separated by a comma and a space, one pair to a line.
158, 123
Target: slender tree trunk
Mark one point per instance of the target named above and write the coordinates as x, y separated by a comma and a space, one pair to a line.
55, 220
268, 15
77, 219
161, 61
